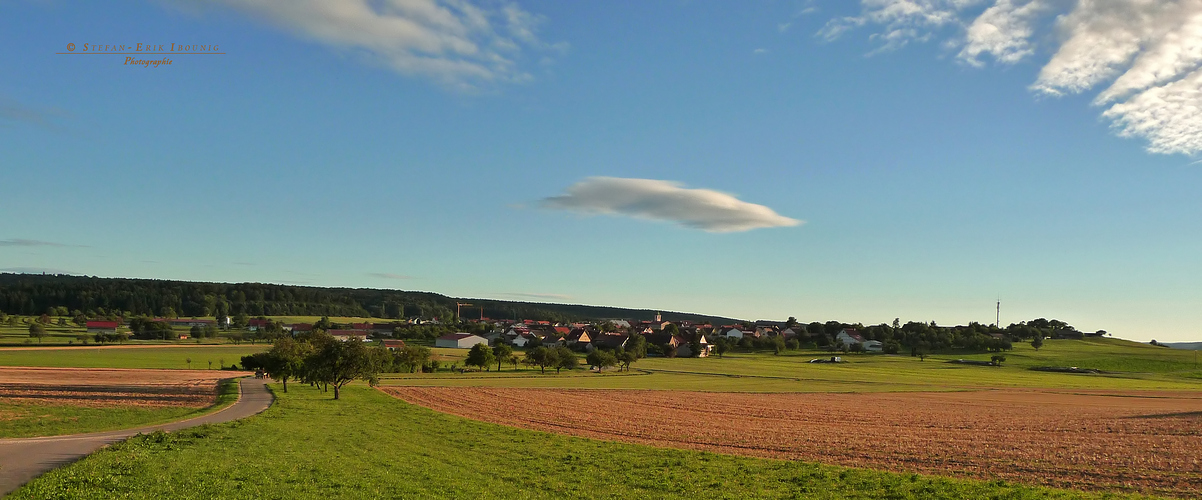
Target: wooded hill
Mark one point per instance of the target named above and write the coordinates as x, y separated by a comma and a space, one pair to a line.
35, 294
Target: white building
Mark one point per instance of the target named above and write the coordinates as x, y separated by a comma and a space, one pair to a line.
460, 340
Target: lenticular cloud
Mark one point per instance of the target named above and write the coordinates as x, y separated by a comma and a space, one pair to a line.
703, 209
1147, 54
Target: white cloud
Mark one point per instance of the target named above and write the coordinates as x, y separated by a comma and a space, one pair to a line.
1150, 52
704, 209
455, 42
759, 51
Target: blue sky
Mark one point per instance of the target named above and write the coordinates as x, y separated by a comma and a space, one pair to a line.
824, 160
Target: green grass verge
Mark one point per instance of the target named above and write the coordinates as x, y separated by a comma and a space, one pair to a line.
369, 445
118, 357
31, 419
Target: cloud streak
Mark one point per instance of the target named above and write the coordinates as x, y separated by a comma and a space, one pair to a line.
390, 276
457, 43
704, 209
538, 296
18, 242
1147, 54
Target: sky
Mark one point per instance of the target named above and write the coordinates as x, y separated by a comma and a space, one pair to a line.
827, 160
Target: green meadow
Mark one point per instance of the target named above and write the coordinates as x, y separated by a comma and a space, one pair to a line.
370, 445
31, 418
172, 356
1127, 365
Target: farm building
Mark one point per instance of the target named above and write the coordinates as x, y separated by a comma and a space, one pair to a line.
394, 344
459, 340
345, 335
102, 326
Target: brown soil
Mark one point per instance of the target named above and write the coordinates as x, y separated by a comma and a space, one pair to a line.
107, 387
1133, 441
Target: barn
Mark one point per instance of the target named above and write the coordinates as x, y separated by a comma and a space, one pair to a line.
460, 340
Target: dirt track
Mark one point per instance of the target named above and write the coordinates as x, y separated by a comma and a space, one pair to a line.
1145, 442
101, 387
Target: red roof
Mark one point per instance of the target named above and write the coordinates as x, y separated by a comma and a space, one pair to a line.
103, 324
361, 326
562, 329
348, 333
304, 327
397, 344
258, 322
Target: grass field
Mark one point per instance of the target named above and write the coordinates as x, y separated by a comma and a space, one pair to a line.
1130, 366
369, 445
129, 357
28, 419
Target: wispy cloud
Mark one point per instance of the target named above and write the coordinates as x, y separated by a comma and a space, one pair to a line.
464, 44
12, 111
1149, 53
34, 270
538, 296
18, 242
759, 51
390, 276
704, 209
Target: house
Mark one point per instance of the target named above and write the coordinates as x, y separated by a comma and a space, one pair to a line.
793, 332
849, 336
611, 341
733, 333
257, 324
394, 345
189, 323
301, 328
102, 326
872, 346
459, 340
523, 339
345, 335
578, 337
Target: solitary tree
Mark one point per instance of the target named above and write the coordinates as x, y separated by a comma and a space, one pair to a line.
412, 357
625, 358
565, 358
480, 355
336, 364
37, 331
541, 357
722, 346
286, 359
502, 352
601, 359
1037, 342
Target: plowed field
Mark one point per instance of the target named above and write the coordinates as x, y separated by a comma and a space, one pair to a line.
1147, 442
98, 387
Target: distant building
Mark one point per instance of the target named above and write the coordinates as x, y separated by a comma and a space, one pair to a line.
345, 335
102, 326
459, 340
394, 344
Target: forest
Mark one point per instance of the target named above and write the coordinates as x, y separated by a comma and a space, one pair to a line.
35, 294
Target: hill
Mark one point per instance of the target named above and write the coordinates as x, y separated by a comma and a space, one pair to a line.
34, 294
1193, 346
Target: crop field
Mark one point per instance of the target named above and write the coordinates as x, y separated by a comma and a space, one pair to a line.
371, 445
130, 356
1146, 442
49, 401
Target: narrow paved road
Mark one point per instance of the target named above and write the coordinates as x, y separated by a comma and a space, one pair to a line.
23, 459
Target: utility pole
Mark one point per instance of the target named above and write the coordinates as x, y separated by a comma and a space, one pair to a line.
998, 322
